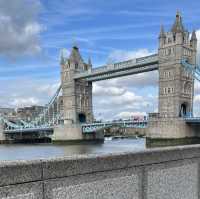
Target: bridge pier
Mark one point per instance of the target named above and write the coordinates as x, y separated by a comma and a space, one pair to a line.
73, 132
170, 128
67, 132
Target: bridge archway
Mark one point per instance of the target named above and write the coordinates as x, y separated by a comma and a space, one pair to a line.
183, 110
82, 118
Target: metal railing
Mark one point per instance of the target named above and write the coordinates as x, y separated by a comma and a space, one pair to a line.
120, 66
48, 118
194, 70
93, 127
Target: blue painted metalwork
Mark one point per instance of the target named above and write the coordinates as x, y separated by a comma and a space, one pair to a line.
93, 127
46, 120
194, 70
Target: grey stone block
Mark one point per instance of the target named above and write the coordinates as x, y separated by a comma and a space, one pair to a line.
76, 165
22, 191
119, 184
83, 164
20, 172
161, 155
174, 180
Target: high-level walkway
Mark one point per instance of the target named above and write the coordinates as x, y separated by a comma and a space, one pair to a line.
130, 67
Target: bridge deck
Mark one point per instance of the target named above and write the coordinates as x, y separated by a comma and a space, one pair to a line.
193, 120
29, 130
93, 127
133, 66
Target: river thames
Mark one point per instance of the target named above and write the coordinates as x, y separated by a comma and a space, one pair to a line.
38, 151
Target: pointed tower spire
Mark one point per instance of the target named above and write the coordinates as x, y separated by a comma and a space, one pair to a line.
62, 58
75, 55
162, 32
193, 41
178, 25
194, 37
89, 61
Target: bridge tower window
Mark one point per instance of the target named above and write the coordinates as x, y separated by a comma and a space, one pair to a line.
174, 37
169, 51
76, 65
183, 110
82, 117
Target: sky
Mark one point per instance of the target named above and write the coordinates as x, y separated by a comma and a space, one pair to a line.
33, 32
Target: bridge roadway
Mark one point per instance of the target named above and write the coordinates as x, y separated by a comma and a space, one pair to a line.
93, 127
133, 66
192, 120
90, 128
86, 128
29, 130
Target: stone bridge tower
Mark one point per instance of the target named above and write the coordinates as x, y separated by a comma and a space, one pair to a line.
176, 85
77, 94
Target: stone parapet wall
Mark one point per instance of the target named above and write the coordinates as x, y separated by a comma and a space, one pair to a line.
171, 172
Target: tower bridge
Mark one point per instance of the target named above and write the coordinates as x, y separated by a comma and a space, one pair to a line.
176, 65
130, 67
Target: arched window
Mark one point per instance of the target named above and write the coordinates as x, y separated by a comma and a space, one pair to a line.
82, 117
174, 37
187, 88
183, 110
76, 65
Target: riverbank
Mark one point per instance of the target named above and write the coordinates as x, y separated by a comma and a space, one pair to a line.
153, 173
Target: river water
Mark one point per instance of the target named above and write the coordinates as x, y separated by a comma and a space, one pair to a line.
38, 151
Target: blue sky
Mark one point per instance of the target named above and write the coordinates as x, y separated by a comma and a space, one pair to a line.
34, 31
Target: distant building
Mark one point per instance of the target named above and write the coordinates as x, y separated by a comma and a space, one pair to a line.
7, 112
29, 113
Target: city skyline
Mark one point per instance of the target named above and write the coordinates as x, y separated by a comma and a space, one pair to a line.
127, 31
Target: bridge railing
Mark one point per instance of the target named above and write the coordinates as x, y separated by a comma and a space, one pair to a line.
194, 70
93, 127
47, 118
118, 66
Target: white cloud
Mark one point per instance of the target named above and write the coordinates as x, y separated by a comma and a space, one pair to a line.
122, 55
197, 105
21, 102
99, 90
197, 87
108, 106
19, 30
48, 89
127, 99
140, 80
27, 92
197, 98
126, 96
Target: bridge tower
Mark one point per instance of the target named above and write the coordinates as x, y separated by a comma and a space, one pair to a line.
77, 98
176, 86
77, 95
